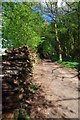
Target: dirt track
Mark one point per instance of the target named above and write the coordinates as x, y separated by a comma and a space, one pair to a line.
59, 87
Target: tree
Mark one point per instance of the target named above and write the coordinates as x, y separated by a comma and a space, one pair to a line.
70, 21
66, 26
21, 26
51, 9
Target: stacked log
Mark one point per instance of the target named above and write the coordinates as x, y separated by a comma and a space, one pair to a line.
79, 71
17, 73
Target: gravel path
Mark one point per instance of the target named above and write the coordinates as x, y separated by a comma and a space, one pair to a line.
59, 87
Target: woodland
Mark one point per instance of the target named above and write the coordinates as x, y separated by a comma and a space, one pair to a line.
50, 31
57, 39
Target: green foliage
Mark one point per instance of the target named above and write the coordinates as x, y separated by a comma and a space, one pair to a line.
47, 47
33, 88
68, 38
22, 116
69, 64
21, 26
54, 58
64, 38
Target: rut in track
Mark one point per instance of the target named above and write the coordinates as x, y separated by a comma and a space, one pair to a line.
59, 90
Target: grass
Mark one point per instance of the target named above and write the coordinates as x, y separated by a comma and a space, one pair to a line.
69, 64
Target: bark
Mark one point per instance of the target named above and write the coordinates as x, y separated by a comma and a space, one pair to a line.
56, 31
58, 41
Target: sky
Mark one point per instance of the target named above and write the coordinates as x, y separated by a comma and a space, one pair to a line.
44, 15
59, 1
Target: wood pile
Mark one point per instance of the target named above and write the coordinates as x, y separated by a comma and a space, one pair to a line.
78, 70
79, 75
17, 74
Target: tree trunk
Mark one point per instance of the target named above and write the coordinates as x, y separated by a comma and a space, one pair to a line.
56, 31
57, 39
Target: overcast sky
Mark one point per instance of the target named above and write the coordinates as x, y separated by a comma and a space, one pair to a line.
59, 1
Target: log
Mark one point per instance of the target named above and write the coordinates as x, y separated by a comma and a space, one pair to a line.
17, 72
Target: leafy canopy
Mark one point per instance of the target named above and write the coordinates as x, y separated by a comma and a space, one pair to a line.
21, 26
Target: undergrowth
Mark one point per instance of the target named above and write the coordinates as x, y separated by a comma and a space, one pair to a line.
69, 64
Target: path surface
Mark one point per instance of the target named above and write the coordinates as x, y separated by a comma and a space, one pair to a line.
60, 87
